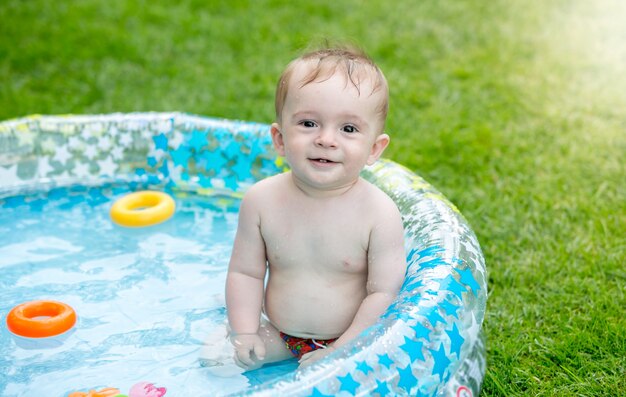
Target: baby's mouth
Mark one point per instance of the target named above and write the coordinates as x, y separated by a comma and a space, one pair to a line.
322, 161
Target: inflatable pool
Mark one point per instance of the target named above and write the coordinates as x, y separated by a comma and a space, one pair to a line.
428, 343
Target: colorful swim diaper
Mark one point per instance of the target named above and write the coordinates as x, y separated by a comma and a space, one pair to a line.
301, 346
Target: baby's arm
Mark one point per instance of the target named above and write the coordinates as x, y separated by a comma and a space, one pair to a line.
244, 283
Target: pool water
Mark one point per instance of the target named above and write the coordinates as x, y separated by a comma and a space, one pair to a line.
146, 298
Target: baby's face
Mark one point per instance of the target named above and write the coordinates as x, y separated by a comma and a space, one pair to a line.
329, 130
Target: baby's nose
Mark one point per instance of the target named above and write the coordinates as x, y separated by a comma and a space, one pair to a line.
326, 138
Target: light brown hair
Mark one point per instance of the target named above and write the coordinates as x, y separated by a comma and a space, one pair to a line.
354, 63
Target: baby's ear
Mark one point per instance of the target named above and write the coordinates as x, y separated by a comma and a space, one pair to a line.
277, 139
378, 148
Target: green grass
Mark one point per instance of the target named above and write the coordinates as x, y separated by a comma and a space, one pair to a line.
516, 110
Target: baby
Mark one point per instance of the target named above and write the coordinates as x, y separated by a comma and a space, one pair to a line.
329, 242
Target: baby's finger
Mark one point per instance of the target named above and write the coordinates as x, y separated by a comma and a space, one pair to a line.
259, 351
239, 363
244, 357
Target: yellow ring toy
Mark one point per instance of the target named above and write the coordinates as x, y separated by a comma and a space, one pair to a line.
144, 208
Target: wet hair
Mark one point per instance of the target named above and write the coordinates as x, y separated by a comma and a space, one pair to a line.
324, 63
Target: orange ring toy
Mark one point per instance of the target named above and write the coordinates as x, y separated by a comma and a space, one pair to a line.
145, 208
40, 319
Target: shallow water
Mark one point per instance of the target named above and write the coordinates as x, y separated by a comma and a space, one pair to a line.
146, 298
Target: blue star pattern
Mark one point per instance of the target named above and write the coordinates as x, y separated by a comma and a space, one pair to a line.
419, 393
430, 251
413, 348
456, 340
231, 182
257, 147
316, 393
364, 367
449, 283
210, 152
198, 140
467, 278
431, 264
222, 135
213, 161
403, 316
205, 181
160, 141
233, 149
243, 169
381, 388
385, 361
406, 379
441, 362
450, 309
348, 384
181, 156
164, 170
421, 331
432, 314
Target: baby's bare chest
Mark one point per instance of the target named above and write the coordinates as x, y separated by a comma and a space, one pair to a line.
336, 241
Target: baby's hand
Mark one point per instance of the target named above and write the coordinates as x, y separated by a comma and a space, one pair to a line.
247, 345
311, 357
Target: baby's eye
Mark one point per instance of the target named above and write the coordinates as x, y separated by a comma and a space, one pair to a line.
349, 128
308, 124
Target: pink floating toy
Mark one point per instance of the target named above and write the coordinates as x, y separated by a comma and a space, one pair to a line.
146, 389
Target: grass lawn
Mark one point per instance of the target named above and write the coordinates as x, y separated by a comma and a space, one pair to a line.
516, 110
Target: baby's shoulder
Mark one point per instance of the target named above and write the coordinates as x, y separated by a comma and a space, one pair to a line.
372, 193
266, 189
258, 199
376, 199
